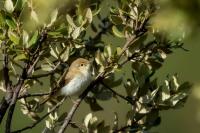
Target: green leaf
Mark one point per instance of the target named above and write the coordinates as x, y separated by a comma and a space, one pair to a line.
116, 19
20, 4
25, 38
117, 32
20, 57
46, 67
33, 39
165, 94
70, 20
65, 55
8, 5
13, 37
76, 32
11, 23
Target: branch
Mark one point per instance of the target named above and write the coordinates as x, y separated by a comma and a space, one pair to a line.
27, 70
68, 119
45, 74
42, 118
7, 83
33, 95
114, 92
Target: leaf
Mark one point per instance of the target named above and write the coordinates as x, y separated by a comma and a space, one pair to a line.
20, 57
13, 37
117, 32
25, 38
76, 32
116, 19
46, 67
87, 119
88, 15
70, 20
165, 94
54, 15
19, 4
65, 55
142, 109
33, 39
53, 52
8, 5
11, 23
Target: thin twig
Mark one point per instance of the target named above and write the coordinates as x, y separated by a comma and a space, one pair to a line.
42, 118
114, 92
34, 95
45, 74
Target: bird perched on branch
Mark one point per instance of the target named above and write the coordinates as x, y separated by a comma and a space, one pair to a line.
77, 79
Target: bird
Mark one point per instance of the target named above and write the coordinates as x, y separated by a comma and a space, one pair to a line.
76, 80
78, 77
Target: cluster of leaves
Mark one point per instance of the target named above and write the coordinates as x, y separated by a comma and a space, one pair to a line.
67, 38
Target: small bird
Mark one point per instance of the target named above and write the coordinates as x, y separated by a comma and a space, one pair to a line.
78, 77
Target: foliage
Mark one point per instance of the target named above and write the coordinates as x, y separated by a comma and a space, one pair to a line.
39, 40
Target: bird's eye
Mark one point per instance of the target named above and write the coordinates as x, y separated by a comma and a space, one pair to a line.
82, 64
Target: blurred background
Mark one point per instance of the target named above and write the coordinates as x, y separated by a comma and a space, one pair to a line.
180, 20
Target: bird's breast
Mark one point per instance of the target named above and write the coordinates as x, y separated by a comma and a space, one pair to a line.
76, 85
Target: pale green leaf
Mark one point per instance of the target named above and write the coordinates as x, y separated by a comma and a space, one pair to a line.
33, 39
25, 38
76, 32
117, 32
70, 20
88, 15
13, 37
8, 5
11, 23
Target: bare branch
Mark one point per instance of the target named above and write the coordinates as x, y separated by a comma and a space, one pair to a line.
115, 93
45, 74
42, 118
34, 95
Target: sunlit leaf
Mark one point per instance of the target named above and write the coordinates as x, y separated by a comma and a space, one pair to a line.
88, 15
13, 37
9, 6
117, 32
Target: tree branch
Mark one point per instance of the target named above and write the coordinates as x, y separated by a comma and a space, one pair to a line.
114, 92
7, 84
71, 113
27, 70
33, 95
42, 118
45, 74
